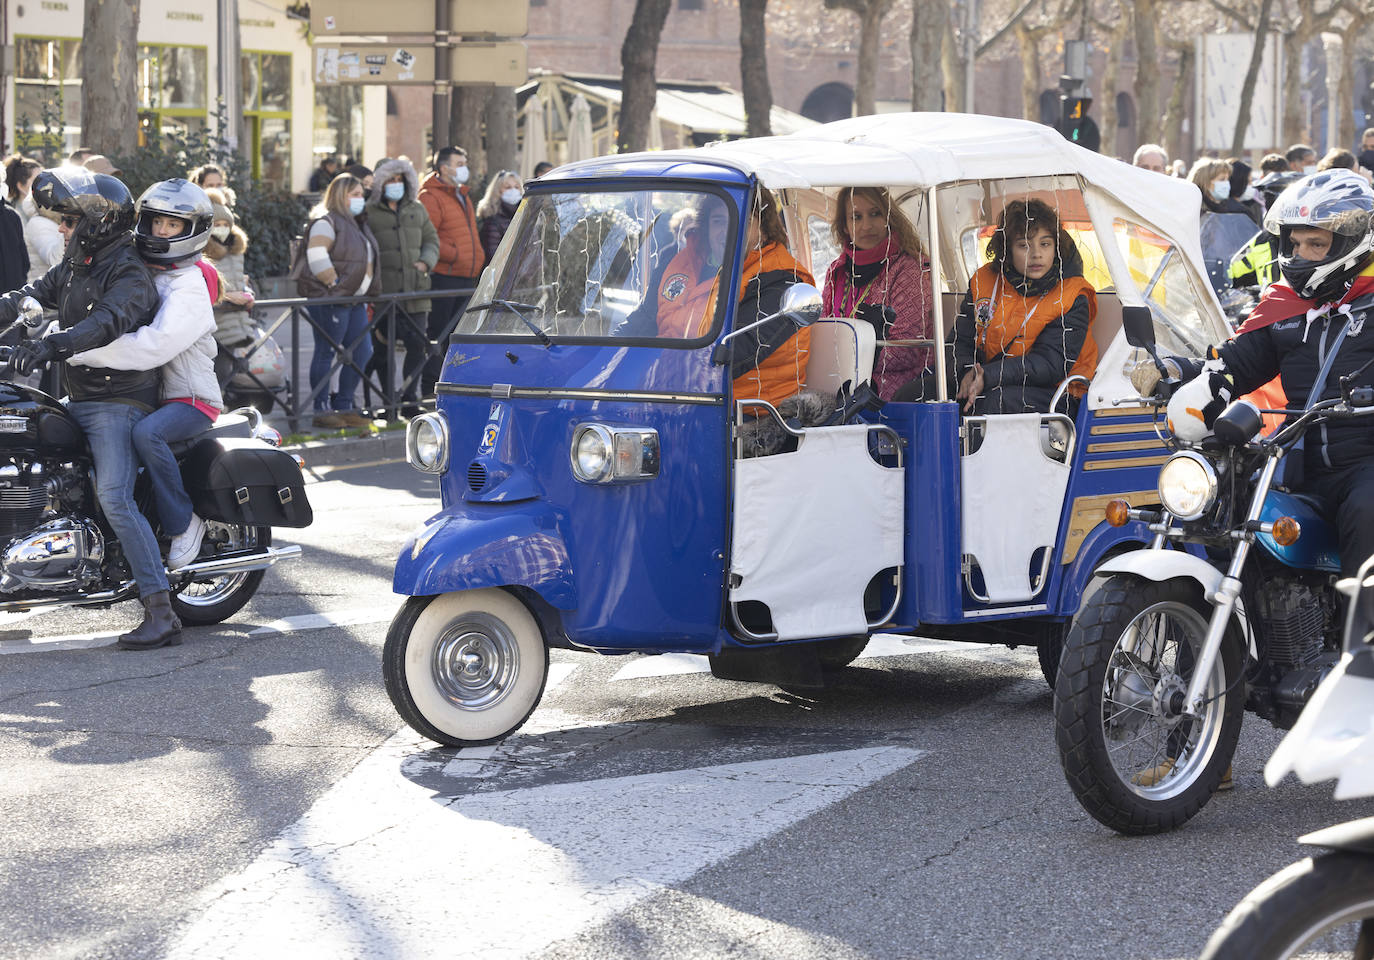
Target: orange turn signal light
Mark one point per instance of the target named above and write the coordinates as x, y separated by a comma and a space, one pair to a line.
1118, 512
1286, 531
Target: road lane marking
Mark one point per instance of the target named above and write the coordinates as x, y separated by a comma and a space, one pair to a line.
330, 618
882, 645
379, 865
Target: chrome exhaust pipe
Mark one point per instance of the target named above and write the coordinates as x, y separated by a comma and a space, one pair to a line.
226, 565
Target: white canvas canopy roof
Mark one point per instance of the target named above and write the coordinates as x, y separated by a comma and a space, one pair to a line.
929, 149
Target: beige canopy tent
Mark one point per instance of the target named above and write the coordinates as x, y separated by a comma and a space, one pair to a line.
690, 113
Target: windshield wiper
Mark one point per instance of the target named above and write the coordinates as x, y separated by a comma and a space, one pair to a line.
516, 308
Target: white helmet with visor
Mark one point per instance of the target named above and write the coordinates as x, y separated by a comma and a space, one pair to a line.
1336, 200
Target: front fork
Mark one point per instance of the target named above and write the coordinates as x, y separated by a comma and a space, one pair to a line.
1224, 599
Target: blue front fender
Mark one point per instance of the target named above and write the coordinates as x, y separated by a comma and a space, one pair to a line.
473, 546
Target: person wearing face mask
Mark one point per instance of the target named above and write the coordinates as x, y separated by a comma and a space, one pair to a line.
497, 208
408, 249
340, 260
444, 194
233, 313
1240, 190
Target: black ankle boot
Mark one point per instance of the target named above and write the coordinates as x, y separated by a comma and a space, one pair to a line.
160, 626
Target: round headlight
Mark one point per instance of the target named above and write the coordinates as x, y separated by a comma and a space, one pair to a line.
427, 443
592, 452
1187, 485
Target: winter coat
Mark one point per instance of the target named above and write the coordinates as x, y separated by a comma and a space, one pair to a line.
495, 226
1293, 348
901, 282
43, 239
353, 254
451, 211
14, 253
768, 362
1029, 335
180, 340
233, 323
404, 235
98, 300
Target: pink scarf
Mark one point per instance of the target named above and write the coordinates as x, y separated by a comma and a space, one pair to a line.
843, 295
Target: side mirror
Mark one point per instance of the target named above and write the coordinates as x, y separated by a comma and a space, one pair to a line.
1139, 325
31, 312
803, 302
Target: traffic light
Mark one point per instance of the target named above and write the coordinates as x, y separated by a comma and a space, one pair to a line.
1075, 124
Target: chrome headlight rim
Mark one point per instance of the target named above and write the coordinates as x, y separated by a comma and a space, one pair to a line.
439, 424
1209, 476
607, 439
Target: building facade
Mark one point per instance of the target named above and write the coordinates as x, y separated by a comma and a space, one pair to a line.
284, 124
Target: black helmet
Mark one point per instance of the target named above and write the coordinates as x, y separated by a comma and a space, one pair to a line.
1339, 201
173, 198
104, 205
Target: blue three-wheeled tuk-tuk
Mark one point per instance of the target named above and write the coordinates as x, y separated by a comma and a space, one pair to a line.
595, 492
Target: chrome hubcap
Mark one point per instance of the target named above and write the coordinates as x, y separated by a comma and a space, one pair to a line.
475, 662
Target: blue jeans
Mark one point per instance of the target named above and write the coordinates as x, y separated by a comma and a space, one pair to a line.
344, 324
168, 423
109, 430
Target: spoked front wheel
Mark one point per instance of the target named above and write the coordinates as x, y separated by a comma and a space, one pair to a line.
1133, 759
215, 599
1318, 907
465, 668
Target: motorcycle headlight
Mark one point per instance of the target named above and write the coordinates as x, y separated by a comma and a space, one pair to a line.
602, 454
427, 443
1187, 485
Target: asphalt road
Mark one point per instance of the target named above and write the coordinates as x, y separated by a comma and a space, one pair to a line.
251, 794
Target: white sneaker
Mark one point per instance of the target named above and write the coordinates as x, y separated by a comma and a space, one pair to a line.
186, 545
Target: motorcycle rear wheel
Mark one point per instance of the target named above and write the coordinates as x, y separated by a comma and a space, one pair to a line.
1132, 765
1321, 906
217, 598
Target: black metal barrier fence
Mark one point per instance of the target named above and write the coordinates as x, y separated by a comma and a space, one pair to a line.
389, 319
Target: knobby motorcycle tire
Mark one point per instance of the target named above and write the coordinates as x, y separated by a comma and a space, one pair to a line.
1280, 915
1078, 708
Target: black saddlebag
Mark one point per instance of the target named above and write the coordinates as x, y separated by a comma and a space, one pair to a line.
245, 481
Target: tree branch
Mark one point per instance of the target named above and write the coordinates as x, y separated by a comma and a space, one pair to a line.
1005, 29
1233, 13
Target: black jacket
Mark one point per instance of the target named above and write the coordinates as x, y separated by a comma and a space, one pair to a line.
97, 302
14, 252
1026, 383
1293, 349
762, 297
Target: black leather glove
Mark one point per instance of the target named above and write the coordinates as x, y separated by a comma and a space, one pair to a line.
881, 317
30, 355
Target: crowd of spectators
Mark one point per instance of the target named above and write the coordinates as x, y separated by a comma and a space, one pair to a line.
405, 235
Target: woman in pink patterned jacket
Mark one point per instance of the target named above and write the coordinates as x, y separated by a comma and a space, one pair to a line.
881, 264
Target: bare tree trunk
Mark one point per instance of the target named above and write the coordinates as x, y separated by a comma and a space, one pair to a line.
1029, 43
1148, 120
753, 68
500, 120
952, 67
1247, 87
465, 126
638, 65
1111, 120
1176, 109
109, 111
928, 20
870, 14
1350, 37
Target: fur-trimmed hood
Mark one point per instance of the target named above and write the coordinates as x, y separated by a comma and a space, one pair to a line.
388, 169
238, 242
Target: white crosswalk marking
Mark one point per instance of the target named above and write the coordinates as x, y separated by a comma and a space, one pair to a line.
380, 867
331, 618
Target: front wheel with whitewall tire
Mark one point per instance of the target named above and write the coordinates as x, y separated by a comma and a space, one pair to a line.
465, 668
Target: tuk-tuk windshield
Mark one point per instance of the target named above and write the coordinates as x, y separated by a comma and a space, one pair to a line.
590, 265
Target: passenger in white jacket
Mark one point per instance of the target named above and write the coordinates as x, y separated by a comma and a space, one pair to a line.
181, 341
